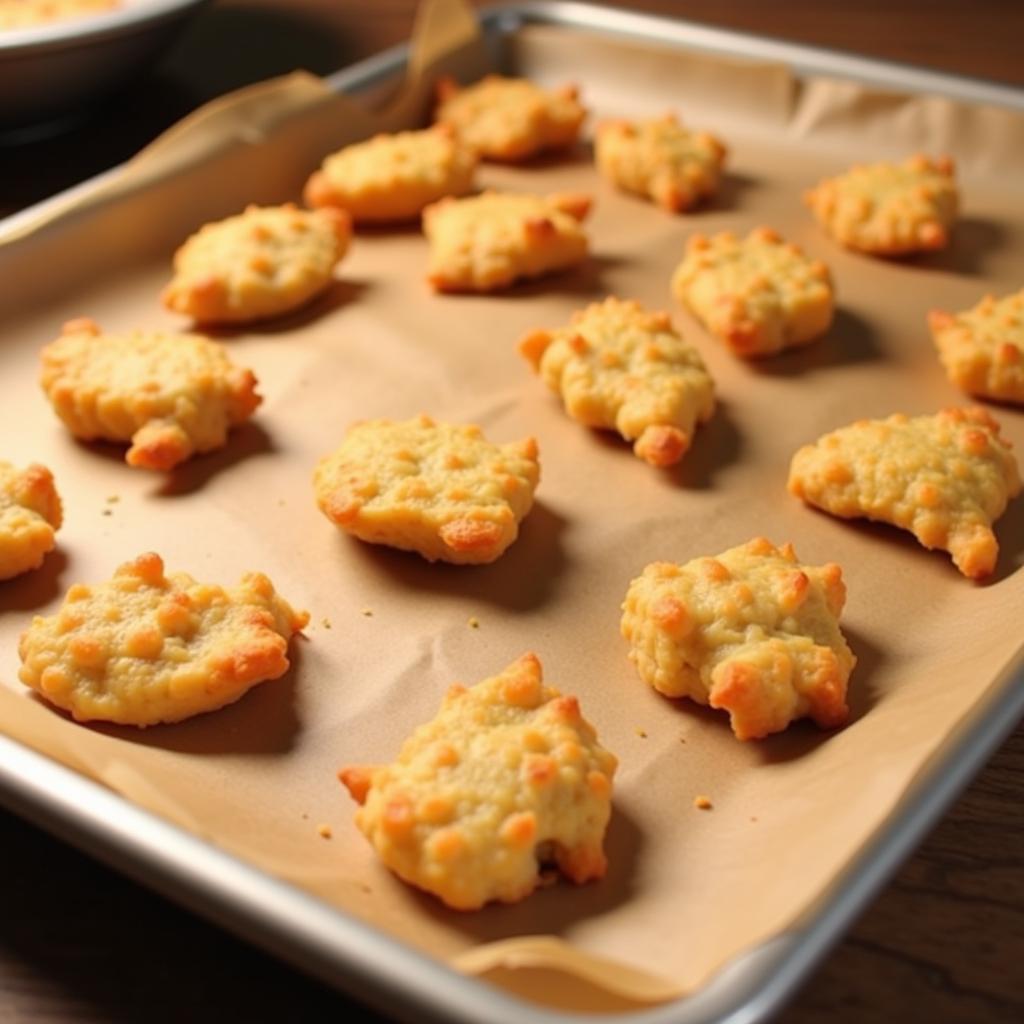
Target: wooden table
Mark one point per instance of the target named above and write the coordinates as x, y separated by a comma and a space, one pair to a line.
943, 943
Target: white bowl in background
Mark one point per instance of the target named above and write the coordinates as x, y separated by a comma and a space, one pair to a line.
57, 67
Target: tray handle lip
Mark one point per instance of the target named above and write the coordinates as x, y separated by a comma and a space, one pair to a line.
803, 58
347, 953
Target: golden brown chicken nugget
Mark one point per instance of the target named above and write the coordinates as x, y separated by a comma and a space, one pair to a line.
982, 348
170, 395
507, 778
946, 478
758, 294
30, 515
751, 631
660, 159
262, 263
442, 490
145, 648
889, 209
488, 242
393, 177
619, 367
510, 118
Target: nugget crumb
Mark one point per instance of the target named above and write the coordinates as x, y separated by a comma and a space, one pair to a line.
325, 622
113, 499
106, 512
474, 622
702, 803
368, 612
642, 733
324, 831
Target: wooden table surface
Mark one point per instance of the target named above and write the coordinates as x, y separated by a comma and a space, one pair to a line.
944, 942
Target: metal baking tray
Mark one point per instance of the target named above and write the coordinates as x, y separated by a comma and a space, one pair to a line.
389, 975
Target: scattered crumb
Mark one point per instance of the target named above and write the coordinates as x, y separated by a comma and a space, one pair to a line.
325, 622
474, 622
113, 499
305, 817
702, 803
106, 512
324, 831
642, 733
682, 739
753, 819
368, 612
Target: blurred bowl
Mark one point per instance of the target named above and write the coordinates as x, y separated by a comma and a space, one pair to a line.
61, 66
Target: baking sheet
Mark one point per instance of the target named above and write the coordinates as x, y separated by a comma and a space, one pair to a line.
687, 890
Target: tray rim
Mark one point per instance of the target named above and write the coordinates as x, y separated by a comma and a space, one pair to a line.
382, 971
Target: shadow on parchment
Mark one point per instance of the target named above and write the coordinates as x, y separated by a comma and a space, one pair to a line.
585, 280
849, 340
972, 241
730, 195
337, 295
245, 441
715, 445
520, 580
36, 588
1010, 534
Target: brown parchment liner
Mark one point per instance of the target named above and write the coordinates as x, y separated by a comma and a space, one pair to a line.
687, 890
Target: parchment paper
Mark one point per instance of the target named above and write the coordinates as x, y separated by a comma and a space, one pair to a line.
687, 890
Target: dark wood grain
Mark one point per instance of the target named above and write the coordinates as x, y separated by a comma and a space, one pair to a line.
945, 940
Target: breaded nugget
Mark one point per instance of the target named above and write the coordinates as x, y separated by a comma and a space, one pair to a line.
508, 777
888, 209
759, 294
261, 263
489, 241
619, 367
30, 515
145, 648
946, 478
30, 13
393, 177
510, 118
660, 159
170, 395
442, 490
982, 348
751, 630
